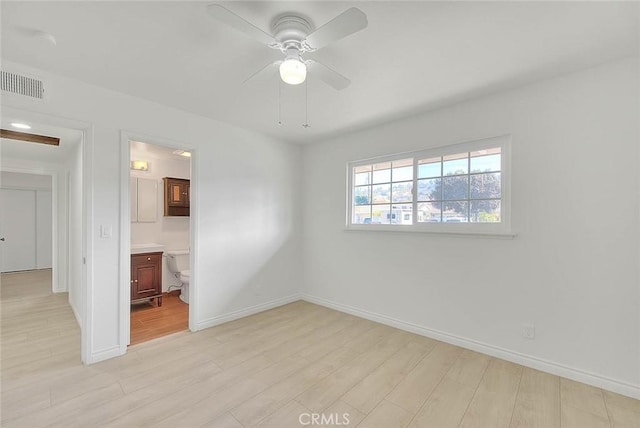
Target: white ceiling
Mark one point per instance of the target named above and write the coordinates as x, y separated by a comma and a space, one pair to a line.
69, 140
412, 57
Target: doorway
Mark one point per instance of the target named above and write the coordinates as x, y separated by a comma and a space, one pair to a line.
26, 231
41, 185
27, 222
157, 238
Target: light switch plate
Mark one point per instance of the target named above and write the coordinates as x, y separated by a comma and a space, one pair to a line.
106, 231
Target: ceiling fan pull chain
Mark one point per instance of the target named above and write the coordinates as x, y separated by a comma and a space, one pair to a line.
306, 104
279, 102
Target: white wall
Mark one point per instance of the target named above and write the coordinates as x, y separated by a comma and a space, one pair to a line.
573, 273
44, 229
172, 232
248, 248
20, 180
73, 172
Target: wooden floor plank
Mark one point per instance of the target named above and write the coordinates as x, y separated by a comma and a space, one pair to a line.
492, 405
623, 411
449, 401
386, 415
538, 401
150, 321
413, 391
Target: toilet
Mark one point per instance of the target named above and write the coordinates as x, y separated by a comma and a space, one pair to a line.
178, 264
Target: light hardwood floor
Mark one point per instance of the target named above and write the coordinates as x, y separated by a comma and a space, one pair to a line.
269, 369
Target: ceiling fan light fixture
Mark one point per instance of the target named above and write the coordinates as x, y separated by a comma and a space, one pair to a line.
293, 71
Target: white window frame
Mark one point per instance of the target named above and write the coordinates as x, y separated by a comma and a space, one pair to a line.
501, 229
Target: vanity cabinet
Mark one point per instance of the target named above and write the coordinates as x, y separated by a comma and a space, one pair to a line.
146, 277
176, 196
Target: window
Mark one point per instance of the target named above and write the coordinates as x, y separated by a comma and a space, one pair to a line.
382, 192
459, 188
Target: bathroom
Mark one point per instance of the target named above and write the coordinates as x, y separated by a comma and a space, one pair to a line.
160, 240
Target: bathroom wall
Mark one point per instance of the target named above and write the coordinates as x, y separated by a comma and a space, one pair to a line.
172, 232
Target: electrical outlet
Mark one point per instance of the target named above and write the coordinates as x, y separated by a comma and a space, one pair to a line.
528, 331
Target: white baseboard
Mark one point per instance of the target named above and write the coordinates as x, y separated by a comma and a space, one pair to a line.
578, 375
221, 319
105, 354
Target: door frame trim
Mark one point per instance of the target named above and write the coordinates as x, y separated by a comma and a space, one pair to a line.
125, 231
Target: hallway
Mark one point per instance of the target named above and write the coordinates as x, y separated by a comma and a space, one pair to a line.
40, 341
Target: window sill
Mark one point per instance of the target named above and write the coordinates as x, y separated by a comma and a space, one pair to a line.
444, 233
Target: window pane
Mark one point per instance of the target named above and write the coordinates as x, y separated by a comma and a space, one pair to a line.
362, 178
380, 214
361, 214
429, 190
403, 170
361, 195
455, 211
455, 164
403, 174
484, 186
485, 163
428, 168
402, 192
429, 212
401, 214
485, 211
455, 187
382, 176
381, 193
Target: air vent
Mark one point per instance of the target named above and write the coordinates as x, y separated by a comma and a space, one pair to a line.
22, 85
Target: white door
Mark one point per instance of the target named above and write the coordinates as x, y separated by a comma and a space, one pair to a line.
18, 228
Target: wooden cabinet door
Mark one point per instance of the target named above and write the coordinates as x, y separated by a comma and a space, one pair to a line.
146, 276
178, 194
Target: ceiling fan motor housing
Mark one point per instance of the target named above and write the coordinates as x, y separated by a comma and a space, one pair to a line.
290, 31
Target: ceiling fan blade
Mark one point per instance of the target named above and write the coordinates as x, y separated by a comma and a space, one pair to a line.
265, 72
348, 22
328, 75
229, 18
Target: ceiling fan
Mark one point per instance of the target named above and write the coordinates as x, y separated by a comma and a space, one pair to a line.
293, 36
